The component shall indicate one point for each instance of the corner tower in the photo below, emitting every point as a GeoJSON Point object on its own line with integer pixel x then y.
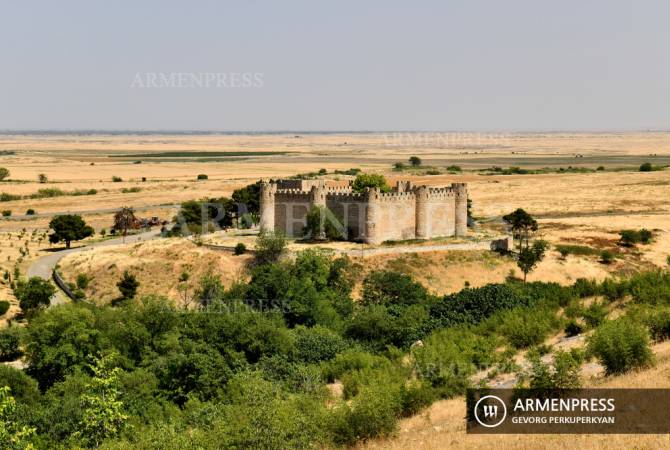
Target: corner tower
{"type": "Point", "coordinates": [267, 205]}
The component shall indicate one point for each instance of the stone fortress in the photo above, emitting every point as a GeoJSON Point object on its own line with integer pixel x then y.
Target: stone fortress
{"type": "Point", "coordinates": [407, 212]}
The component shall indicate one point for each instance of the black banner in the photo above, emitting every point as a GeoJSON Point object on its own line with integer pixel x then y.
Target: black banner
{"type": "Point", "coordinates": [563, 411]}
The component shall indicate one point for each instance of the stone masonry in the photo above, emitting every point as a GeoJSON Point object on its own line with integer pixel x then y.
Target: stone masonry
{"type": "Point", "coordinates": [407, 212]}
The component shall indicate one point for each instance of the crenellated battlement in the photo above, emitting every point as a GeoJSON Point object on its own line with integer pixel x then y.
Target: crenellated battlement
{"type": "Point", "coordinates": [407, 212]}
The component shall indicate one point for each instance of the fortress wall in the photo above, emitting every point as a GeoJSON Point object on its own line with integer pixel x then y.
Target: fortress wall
{"type": "Point", "coordinates": [350, 208]}
{"type": "Point", "coordinates": [300, 185]}
{"type": "Point", "coordinates": [442, 214]}
{"type": "Point", "coordinates": [396, 215]}
{"type": "Point", "coordinates": [291, 207]}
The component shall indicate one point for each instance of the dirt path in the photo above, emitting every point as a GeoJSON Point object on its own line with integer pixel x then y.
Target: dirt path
{"type": "Point", "coordinates": [44, 266]}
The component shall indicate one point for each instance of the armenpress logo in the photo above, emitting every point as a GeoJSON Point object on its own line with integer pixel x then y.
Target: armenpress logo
{"type": "Point", "coordinates": [490, 411]}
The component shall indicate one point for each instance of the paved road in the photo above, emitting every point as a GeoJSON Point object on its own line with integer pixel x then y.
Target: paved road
{"type": "Point", "coordinates": [44, 266]}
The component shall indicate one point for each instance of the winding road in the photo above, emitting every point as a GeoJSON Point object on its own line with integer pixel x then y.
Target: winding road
{"type": "Point", "coordinates": [44, 266]}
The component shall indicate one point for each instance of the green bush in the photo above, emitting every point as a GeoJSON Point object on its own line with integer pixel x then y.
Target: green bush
{"type": "Point", "coordinates": [4, 307]}
{"type": "Point", "coordinates": [573, 328]}
{"type": "Point", "coordinates": [450, 356]}
{"type": "Point", "coordinates": [595, 314]}
{"type": "Point", "coordinates": [646, 167]}
{"type": "Point", "coordinates": [240, 248]}
{"type": "Point", "coordinates": [651, 288]}
{"type": "Point", "coordinates": [585, 288]}
{"type": "Point", "coordinates": [620, 345]}
{"type": "Point", "coordinates": [606, 257]}
{"type": "Point", "coordinates": [82, 280]}
{"type": "Point", "coordinates": [657, 320]}
{"type": "Point", "coordinates": [317, 344]}
{"type": "Point", "coordinates": [351, 360]}
{"type": "Point", "coordinates": [562, 373]}
{"type": "Point", "coordinates": [30, 212]}
{"type": "Point", "coordinates": [372, 413]}
{"type": "Point", "coordinates": [116, 179]}
{"type": "Point", "coordinates": [10, 342]}
{"type": "Point", "coordinates": [6, 213]}
{"type": "Point", "coordinates": [392, 288]}
{"type": "Point", "coordinates": [525, 327]}
{"type": "Point", "coordinates": [203, 176]}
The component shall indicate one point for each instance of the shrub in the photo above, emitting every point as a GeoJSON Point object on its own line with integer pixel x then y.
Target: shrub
{"type": "Point", "coordinates": [128, 285]}
{"type": "Point", "coordinates": [563, 373]}
{"type": "Point", "coordinates": [450, 356]}
{"type": "Point", "coordinates": [4, 307]}
{"type": "Point", "coordinates": [454, 168]}
{"type": "Point", "coordinates": [42, 178]}
{"type": "Point", "coordinates": [658, 322]}
{"type": "Point", "coordinates": [573, 328]}
{"type": "Point", "coordinates": [399, 166]}
{"type": "Point", "coordinates": [606, 257]}
{"type": "Point", "coordinates": [595, 314]}
{"type": "Point", "coordinates": [202, 176]}
{"type": "Point", "coordinates": [82, 280]}
{"type": "Point", "coordinates": [372, 413]}
{"type": "Point", "coordinates": [620, 345]}
{"type": "Point", "coordinates": [240, 248]}
{"type": "Point", "coordinates": [5, 197]}
{"type": "Point", "coordinates": [584, 287]}
{"type": "Point", "coordinates": [4, 173]}
{"type": "Point", "coordinates": [116, 179]}
{"type": "Point", "coordinates": [474, 305]}
{"type": "Point", "coordinates": [415, 161]}
{"type": "Point", "coordinates": [650, 287]}
{"type": "Point", "coordinates": [350, 360]}
{"type": "Point", "coordinates": [317, 344]}
{"type": "Point", "coordinates": [6, 213]}
{"type": "Point", "coordinates": [628, 238]}
{"type": "Point", "coordinates": [270, 246]}
{"type": "Point", "coordinates": [646, 167]}
{"type": "Point", "coordinates": [524, 327]}
{"type": "Point", "coordinates": [30, 212]}
{"type": "Point", "coordinates": [392, 288]}
{"type": "Point", "coordinates": [600, 168]}
{"type": "Point", "coordinates": [34, 294]}
{"type": "Point", "coordinates": [10, 341]}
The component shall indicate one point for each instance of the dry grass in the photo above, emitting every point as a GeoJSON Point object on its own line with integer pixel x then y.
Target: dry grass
{"type": "Point", "coordinates": [442, 425]}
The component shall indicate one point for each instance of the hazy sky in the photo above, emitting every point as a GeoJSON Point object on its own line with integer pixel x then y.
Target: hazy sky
{"type": "Point", "coordinates": [337, 65]}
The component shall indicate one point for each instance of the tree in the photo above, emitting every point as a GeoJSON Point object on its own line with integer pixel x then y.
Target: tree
{"type": "Point", "coordinates": [270, 246]}
{"type": "Point", "coordinates": [646, 167]}
{"type": "Point", "coordinates": [128, 285]}
{"type": "Point", "coordinates": [4, 173]}
{"type": "Point", "coordinates": [34, 294]}
{"type": "Point", "coordinates": [370, 180]}
{"type": "Point", "coordinates": [125, 219]}
{"type": "Point", "coordinates": [68, 228]}
{"type": "Point", "coordinates": [13, 436]}
{"type": "Point", "coordinates": [42, 178]}
{"type": "Point", "coordinates": [103, 416]}
{"type": "Point", "coordinates": [530, 256]}
{"type": "Point", "coordinates": [415, 161]}
{"type": "Point", "coordinates": [522, 225]}
{"type": "Point", "coordinates": [210, 290]}
{"type": "Point", "coordinates": [320, 224]}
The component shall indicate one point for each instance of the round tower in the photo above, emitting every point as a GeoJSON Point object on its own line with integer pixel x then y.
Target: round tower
{"type": "Point", "coordinates": [372, 215]}
{"type": "Point", "coordinates": [317, 197]}
{"type": "Point", "coordinates": [267, 205]}
{"type": "Point", "coordinates": [422, 219]}
{"type": "Point", "coordinates": [461, 193]}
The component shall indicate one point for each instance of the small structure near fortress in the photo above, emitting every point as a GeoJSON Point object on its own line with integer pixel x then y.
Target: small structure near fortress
{"type": "Point", "coordinates": [407, 212]}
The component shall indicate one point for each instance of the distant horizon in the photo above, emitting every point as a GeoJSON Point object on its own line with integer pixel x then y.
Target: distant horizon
{"type": "Point", "coordinates": [94, 131]}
